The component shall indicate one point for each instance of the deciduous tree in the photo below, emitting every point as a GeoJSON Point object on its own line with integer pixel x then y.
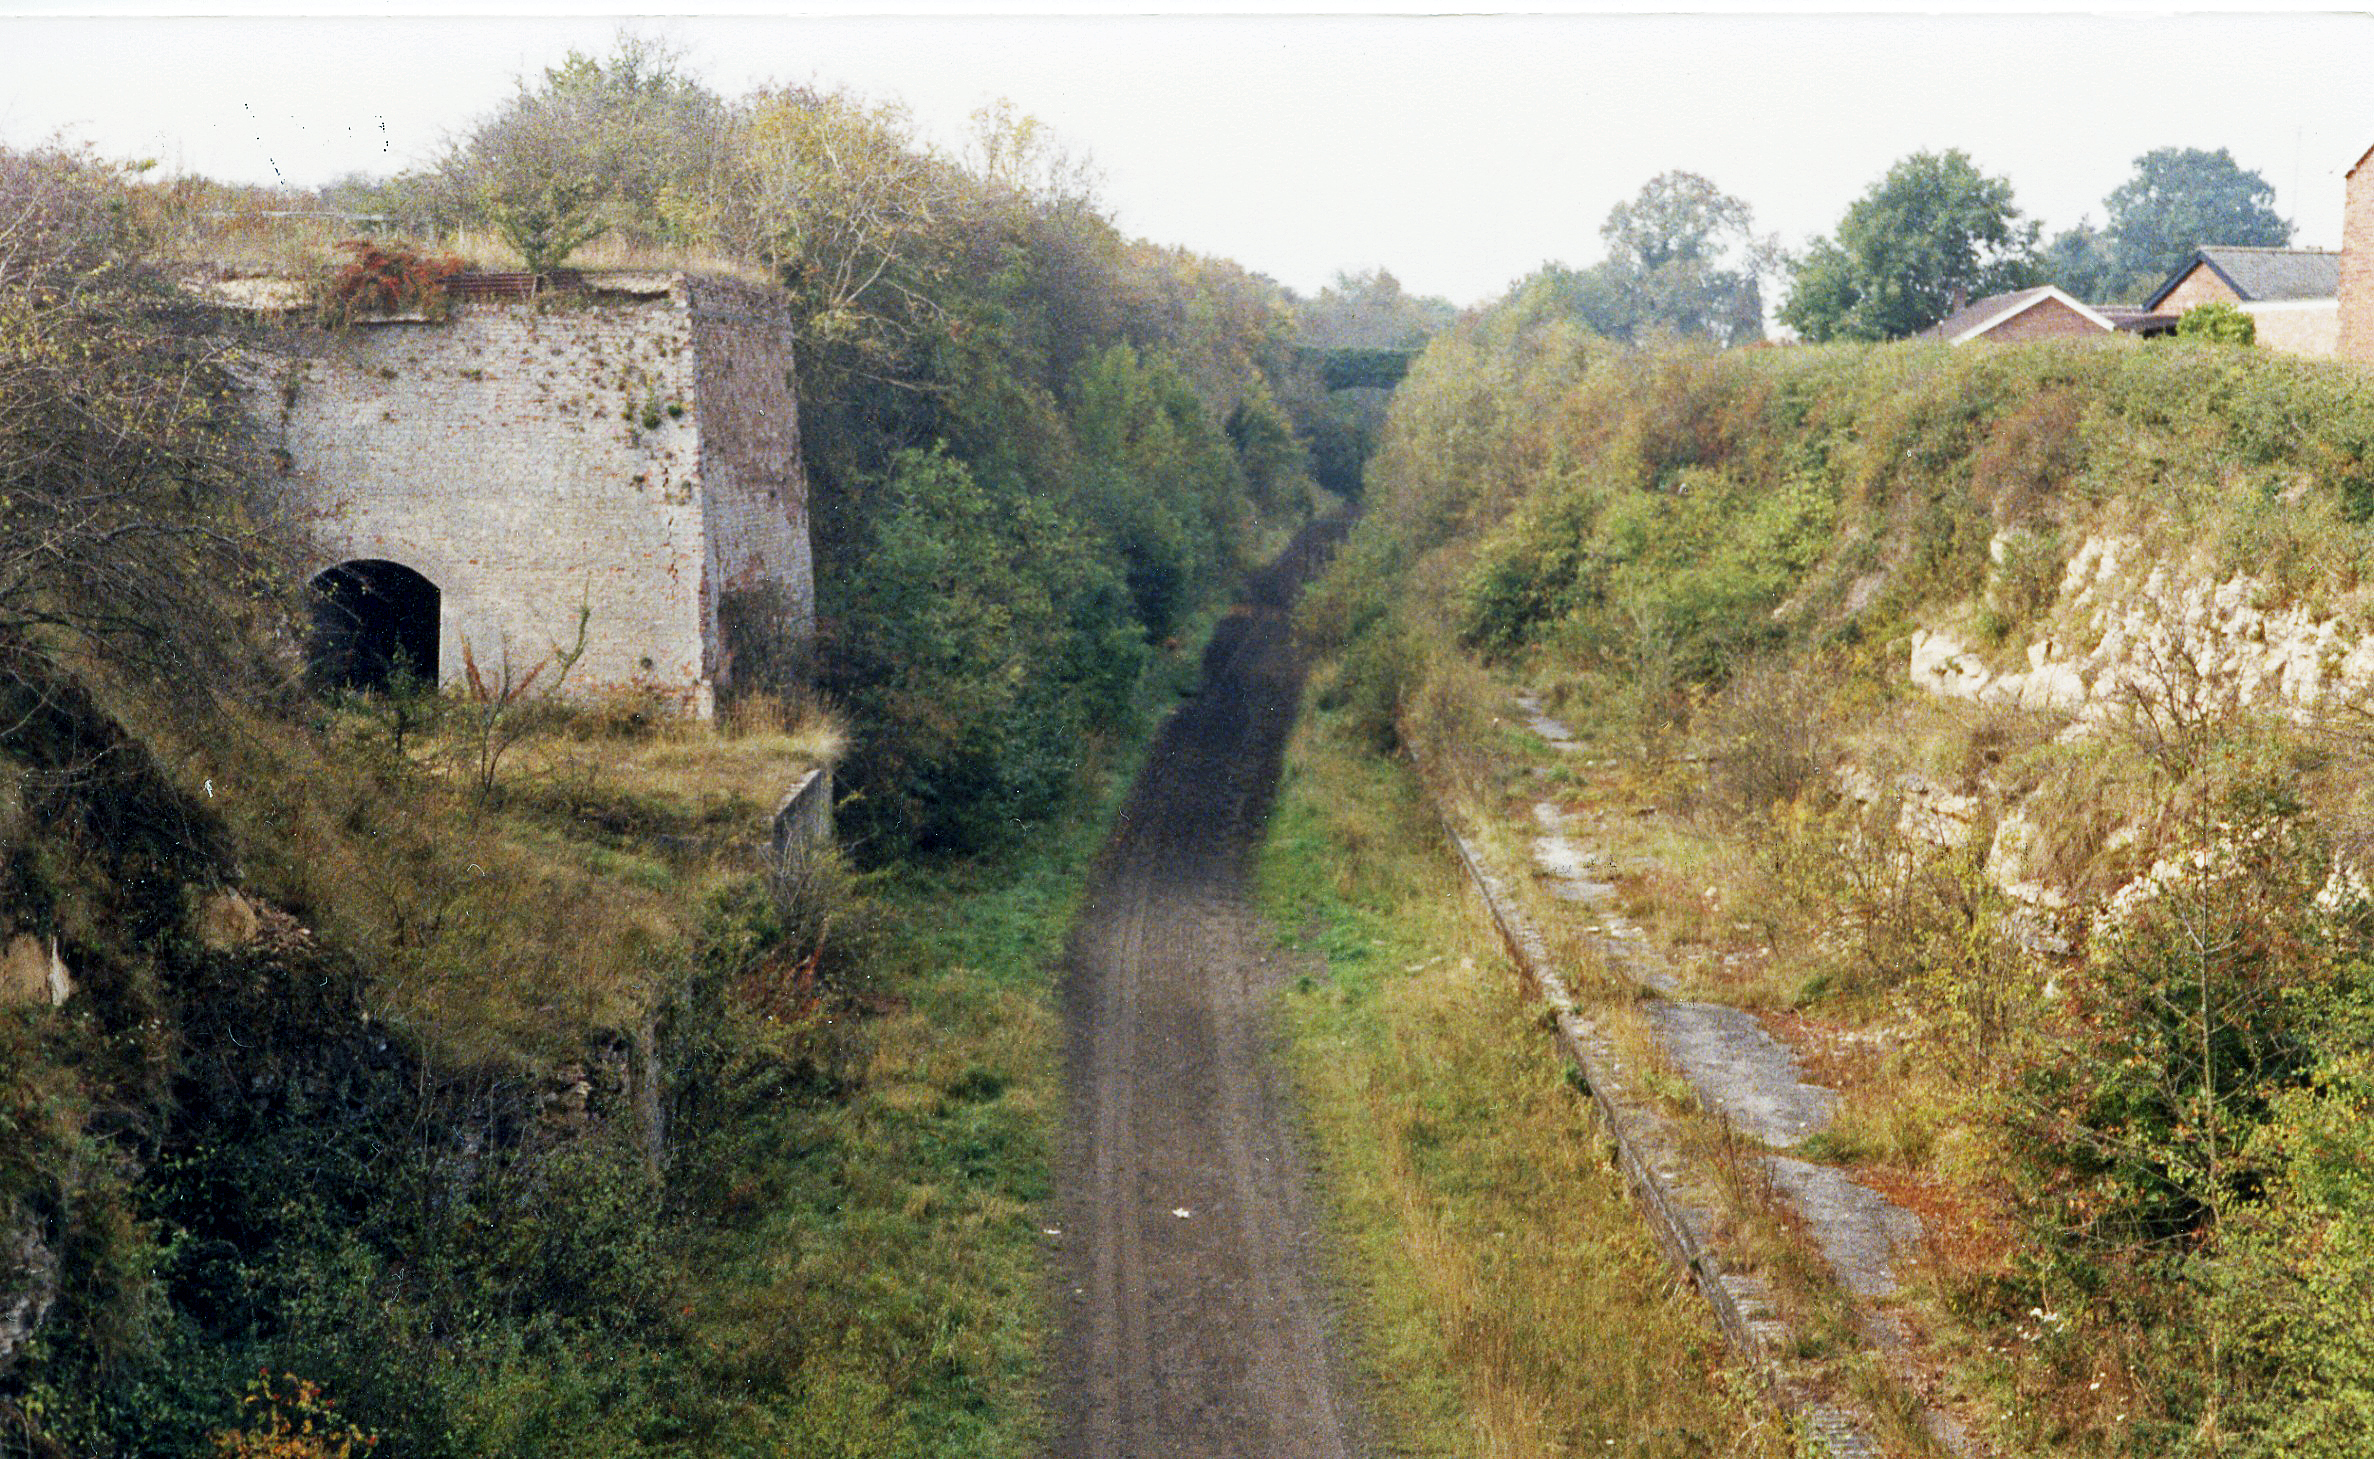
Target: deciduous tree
{"type": "Point", "coordinates": [1683, 261]}
{"type": "Point", "coordinates": [1371, 311]}
{"type": "Point", "coordinates": [2079, 261]}
{"type": "Point", "coordinates": [2183, 198]}
{"type": "Point", "coordinates": [1934, 227]}
{"type": "Point", "coordinates": [127, 518]}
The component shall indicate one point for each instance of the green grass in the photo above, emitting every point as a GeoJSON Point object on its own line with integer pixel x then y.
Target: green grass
{"type": "Point", "coordinates": [899, 1267]}
{"type": "Point", "coordinates": [1505, 1295]}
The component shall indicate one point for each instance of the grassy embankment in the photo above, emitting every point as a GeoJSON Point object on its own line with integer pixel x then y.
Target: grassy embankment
{"type": "Point", "coordinates": [2127, 1152]}
{"type": "Point", "coordinates": [837, 1254]}
{"type": "Point", "coordinates": [357, 1080]}
{"type": "Point", "coordinates": [1506, 1297]}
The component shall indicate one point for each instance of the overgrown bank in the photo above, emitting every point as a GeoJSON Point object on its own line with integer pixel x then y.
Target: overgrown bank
{"type": "Point", "coordinates": [2081, 949]}
{"type": "Point", "coordinates": [1506, 1298]}
{"type": "Point", "coordinates": [227, 1158]}
{"type": "Point", "coordinates": [512, 1108]}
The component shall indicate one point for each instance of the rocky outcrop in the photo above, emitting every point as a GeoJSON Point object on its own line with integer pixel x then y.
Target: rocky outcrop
{"type": "Point", "coordinates": [28, 1284]}
{"type": "Point", "coordinates": [1926, 811]}
{"type": "Point", "coordinates": [2115, 637]}
{"type": "Point", "coordinates": [1931, 813]}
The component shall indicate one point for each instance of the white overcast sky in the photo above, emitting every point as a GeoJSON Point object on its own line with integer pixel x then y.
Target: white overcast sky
{"type": "Point", "coordinates": [1458, 151]}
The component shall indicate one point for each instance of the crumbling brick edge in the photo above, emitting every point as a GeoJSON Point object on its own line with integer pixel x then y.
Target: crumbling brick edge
{"type": "Point", "coordinates": [803, 819]}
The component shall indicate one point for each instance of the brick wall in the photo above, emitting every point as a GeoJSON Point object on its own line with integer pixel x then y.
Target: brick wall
{"type": "Point", "coordinates": [531, 457]}
{"type": "Point", "coordinates": [2048, 319]}
{"type": "Point", "coordinates": [2296, 326]}
{"type": "Point", "coordinates": [2201, 286]}
{"type": "Point", "coordinates": [757, 578]}
{"type": "Point", "coordinates": [2355, 336]}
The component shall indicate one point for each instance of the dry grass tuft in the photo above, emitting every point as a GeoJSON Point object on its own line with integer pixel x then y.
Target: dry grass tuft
{"type": "Point", "coordinates": [504, 928]}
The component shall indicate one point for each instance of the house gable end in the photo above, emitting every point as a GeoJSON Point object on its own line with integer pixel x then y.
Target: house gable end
{"type": "Point", "coordinates": [2198, 262]}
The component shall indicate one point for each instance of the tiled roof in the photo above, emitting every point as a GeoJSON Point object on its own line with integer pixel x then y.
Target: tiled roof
{"type": "Point", "coordinates": [1982, 311]}
{"type": "Point", "coordinates": [2263, 275]}
{"type": "Point", "coordinates": [2135, 319]}
{"type": "Point", "coordinates": [1982, 314]}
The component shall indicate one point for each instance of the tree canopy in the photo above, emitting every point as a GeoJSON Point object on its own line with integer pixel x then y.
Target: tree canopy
{"type": "Point", "coordinates": [2078, 259]}
{"type": "Point", "coordinates": [2178, 199]}
{"type": "Point", "coordinates": [1371, 311]}
{"type": "Point", "coordinates": [1683, 262]}
{"type": "Point", "coordinates": [2181, 199]}
{"type": "Point", "coordinates": [1934, 227]}
{"type": "Point", "coordinates": [600, 143]}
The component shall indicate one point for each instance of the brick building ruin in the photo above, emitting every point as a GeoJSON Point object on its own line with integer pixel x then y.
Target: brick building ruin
{"type": "Point", "coordinates": [628, 448]}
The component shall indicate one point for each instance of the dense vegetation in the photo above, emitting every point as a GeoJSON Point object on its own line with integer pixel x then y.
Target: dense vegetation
{"type": "Point", "coordinates": [512, 1109]}
{"type": "Point", "coordinates": [1033, 445]}
{"type": "Point", "coordinates": [1936, 228]}
{"type": "Point", "coordinates": [1715, 562]}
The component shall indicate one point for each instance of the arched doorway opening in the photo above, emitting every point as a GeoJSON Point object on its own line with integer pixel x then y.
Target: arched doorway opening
{"type": "Point", "coordinates": [370, 620]}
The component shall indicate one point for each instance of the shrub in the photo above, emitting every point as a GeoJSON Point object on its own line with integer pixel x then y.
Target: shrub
{"type": "Point", "coordinates": [1769, 736]}
{"type": "Point", "coordinates": [386, 278]}
{"type": "Point", "coordinates": [2217, 322]}
{"type": "Point", "coordinates": [291, 1418]}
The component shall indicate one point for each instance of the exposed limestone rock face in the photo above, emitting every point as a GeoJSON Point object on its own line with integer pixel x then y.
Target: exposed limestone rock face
{"type": "Point", "coordinates": [2038, 923]}
{"type": "Point", "coordinates": [2010, 864]}
{"type": "Point", "coordinates": [227, 921]}
{"type": "Point", "coordinates": [28, 1284]}
{"type": "Point", "coordinates": [2114, 639]}
{"type": "Point", "coordinates": [1935, 814]}
{"type": "Point", "coordinates": [573, 1093]}
{"type": "Point", "coordinates": [1926, 811]}
{"type": "Point", "coordinates": [2119, 637]}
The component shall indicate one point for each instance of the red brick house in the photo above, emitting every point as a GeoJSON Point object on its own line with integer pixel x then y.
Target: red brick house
{"type": "Point", "coordinates": [2355, 336]}
{"type": "Point", "coordinates": [2043, 312]}
{"type": "Point", "coordinates": [2292, 293]}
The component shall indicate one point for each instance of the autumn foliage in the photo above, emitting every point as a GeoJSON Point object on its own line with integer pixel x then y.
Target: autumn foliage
{"type": "Point", "coordinates": [387, 277]}
{"type": "Point", "coordinates": [289, 1417]}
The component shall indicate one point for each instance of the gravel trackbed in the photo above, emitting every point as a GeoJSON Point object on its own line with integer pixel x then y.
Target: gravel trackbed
{"type": "Point", "coordinates": [1196, 1319]}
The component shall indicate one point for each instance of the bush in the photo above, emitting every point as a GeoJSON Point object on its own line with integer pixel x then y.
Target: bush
{"type": "Point", "coordinates": [1769, 737]}
{"type": "Point", "coordinates": [381, 278]}
{"type": "Point", "coordinates": [979, 650]}
{"type": "Point", "coordinates": [130, 520]}
{"type": "Point", "coordinates": [2218, 322]}
{"type": "Point", "coordinates": [291, 1418]}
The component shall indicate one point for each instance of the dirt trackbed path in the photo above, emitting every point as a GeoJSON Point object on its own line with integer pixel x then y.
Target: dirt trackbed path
{"type": "Point", "coordinates": [1195, 1320]}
